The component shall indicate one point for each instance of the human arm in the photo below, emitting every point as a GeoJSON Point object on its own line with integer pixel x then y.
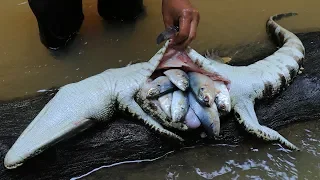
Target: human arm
{"type": "Point", "coordinates": [182, 14]}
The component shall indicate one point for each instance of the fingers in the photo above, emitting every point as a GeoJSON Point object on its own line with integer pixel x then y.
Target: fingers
{"type": "Point", "coordinates": [192, 34]}
{"type": "Point", "coordinates": [188, 24]}
{"type": "Point", "coordinates": [184, 29]}
{"type": "Point", "coordinates": [168, 22]}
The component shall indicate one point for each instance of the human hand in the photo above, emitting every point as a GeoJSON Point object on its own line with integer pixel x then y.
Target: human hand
{"type": "Point", "coordinates": [182, 14]}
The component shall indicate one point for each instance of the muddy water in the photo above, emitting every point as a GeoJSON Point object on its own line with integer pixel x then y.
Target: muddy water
{"type": "Point", "coordinates": [246, 161]}
{"type": "Point", "coordinates": [26, 67]}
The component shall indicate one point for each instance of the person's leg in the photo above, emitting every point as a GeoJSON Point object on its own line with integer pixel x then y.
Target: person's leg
{"type": "Point", "coordinates": [58, 20]}
{"type": "Point", "coordinates": [120, 9]}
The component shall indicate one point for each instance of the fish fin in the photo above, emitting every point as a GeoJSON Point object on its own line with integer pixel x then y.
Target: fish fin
{"type": "Point", "coordinates": [245, 114]}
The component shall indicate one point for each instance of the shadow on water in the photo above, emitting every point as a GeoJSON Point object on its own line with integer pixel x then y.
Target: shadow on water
{"type": "Point", "coordinates": [110, 26]}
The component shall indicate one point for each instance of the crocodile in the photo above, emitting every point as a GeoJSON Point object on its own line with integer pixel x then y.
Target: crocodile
{"type": "Point", "coordinates": [261, 80]}
{"type": "Point", "coordinates": [76, 106]}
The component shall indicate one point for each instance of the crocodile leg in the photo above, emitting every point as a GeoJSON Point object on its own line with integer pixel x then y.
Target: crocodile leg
{"type": "Point", "coordinates": [245, 114]}
{"type": "Point", "coordinates": [137, 111]}
{"type": "Point", "coordinates": [153, 108]}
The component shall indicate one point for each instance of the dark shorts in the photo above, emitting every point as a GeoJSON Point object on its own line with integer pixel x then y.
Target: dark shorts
{"type": "Point", "coordinates": [60, 20]}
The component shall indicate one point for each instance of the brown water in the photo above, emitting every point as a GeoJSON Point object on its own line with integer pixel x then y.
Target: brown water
{"type": "Point", "coordinates": [27, 67]}
{"type": "Point", "coordinates": [246, 161]}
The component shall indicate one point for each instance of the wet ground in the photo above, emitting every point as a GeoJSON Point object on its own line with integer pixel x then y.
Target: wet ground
{"type": "Point", "coordinates": [27, 67]}
{"type": "Point", "coordinates": [246, 161]}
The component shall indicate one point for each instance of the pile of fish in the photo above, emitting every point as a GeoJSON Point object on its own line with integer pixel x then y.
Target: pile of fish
{"type": "Point", "coordinates": [188, 94]}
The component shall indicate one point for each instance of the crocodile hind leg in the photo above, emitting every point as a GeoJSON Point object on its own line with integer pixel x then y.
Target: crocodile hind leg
{"type": "Point", "coordinates": [135, 109]}
{"type": "Point", "coordinates": [152, 107]}
{"type": "Point", "coordinates": [245, 114]}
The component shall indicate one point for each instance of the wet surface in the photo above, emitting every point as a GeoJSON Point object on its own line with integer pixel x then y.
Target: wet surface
{"type": "Point", "coordinates": [27, 67]}
{"type": "Point", "coordinates": [245, 161]}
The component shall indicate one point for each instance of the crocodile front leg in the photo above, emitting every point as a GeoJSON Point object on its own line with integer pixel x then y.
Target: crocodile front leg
{"type": "Point", "coordinates": [137, 111]}
{"type": "Point", "coordinates": [153, 108]}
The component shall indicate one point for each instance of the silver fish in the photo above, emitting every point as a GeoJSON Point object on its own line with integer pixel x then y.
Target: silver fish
{"type": "Point", "coordinates": [167, 34]}
{"type": "Point", "coordinates": [165, 103]}
{"type": "Point", "coordinates": [178, 78]}
{"type": "Point", "coordinates": [161, 85]}
{"type": "Point", "coordinates": [203, 88]}
{"type": "Point", "coordinates": [179, 105]}
{"type": "Point", "coordinates": [222, 99]}
{"type": "Point", "coordinates": [208, 116]}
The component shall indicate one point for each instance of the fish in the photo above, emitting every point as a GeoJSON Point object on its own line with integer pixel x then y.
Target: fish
{"type": "Point", "coordinates": [208, 116]}
{"type": "Point", "coordinates": [208, 91]}
{"type": "Point", "coordinates": [180, 60]}
{"type": "Point", "coordinates": [203, 88]}
{"type": "Point", "coordinates": [178, 78]}
{"type": "Point", "coordinates": [168, 33]}
{"type": "Point", "coordinates": [179, 105]}
{"type": "Point", "coordinates": [222, 99]}
{"type": "Point", "coordinates": [165, 103]}
{"type": "Point", "coordinates": [160, 86]}
{"type": "Point", "coordinates": [191, 119]}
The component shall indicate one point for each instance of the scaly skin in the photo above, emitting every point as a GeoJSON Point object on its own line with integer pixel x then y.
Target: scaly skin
{"type": "Point", "coordinates": [78, 105]}
{"type": "Point", "coordinates": [263, 79]}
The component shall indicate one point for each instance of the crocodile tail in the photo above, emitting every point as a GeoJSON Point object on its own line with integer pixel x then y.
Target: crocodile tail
{"type": "Point", "coordinates": [285, 38]}
{"type": "Point", "coordinates": [279, 69]}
